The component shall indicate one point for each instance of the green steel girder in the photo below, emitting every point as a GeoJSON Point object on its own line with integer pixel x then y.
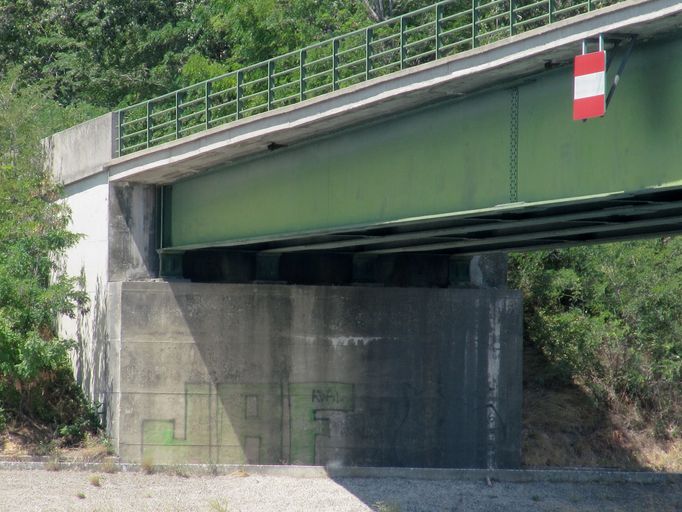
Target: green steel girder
{"type": "Point", "coordinates": [497, 170]}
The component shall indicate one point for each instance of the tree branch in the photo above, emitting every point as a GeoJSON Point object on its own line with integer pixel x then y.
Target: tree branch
{"type": "Point", "coordinates": [370, 10]}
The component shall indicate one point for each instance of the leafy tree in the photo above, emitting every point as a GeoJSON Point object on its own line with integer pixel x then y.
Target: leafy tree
{"type": "Point", "coordinates": [113, 52]}
{"type": "Point", "coordinates": [34, 364]}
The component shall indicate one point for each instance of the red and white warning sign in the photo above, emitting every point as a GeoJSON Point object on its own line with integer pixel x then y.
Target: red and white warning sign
{"type": "Point", "coordinates": [589, 99]}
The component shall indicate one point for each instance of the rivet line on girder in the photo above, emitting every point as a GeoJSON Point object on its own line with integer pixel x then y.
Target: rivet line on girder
{"type": "Point", "coordinates": [514, 147]}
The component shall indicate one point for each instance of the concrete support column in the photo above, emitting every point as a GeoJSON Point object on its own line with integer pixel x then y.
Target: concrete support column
{"type": "Point", "coordinates": [479, 271]}
{"type": "Point", "coordinates": [133, 232]}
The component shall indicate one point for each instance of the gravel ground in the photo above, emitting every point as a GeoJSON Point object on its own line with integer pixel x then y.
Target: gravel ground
{"type": "Point", "coordinates": [45, 491]}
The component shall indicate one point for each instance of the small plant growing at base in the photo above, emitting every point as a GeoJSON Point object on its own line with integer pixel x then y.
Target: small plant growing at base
{"type": "Point", "coordinates": [53, 464]}
{"type": "Point", "coordinates": [148, 466]}
{"type": "Point", "coordinates": [80, 495]}
{"type": "Point", "coordinates": [109, 466]}
{"type": "Point", "coordinates": [95, 481]}
{"type": "Point", "coordinates": [45, 448]}
{"type": "Point", "coordinates": [385, 506]}
{"type": "Point", "coordinates": [218, 506]}
{"type": "Point", "coordinates": [178, 470]}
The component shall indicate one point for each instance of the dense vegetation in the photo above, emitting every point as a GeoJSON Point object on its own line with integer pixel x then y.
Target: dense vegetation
{"type": "Point", "coordinates": [608, 318]}
{"type": "Point", "coordinates": [112, 52]}
{"type": "Point", "coordinates": [36, 384]}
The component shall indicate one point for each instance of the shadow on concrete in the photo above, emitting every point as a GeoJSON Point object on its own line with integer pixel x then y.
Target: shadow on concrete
{"type": "Point", "coordinates": [91, 358]}
{"type": "Point", "coordinates": [361, 376]}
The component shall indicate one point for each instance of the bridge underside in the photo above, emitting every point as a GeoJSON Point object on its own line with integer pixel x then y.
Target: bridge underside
{"type": "Point", "coordinates": [510, 228]}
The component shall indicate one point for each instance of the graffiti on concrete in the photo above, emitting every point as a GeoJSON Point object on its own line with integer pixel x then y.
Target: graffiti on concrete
{"type": "Point", "coordinates": [309, 406]}
{"type": "Point", "coordinates": [248, 423]}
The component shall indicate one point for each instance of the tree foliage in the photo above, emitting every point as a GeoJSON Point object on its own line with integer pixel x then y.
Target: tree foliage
{"type": "Point", "coordinates": [610, 318]}
{"type": "Point", "coordinates": [33, 234]}
{"type": "Point", "coordinates": [110, 52]}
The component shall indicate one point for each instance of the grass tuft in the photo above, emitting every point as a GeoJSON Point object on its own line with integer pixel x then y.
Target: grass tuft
{"type": "Point", "coordinates": [218, 506]}
{"type": "Point", "coordinates": [178, 470]}
{"type": "Point", "coordinates": [148, 466]}
{"type": "Point", "coordinates": [240, 473]}
{"type": "Point", "coordinates": [386, 506]}
{"type": "Point", "coordinates": [53, 464]}
{"type": "Point", "coordinates": [109, 466]}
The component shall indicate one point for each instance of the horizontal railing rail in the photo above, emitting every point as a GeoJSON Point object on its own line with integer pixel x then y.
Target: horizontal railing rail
{"type": "Point", "coordinates": [421, 36]}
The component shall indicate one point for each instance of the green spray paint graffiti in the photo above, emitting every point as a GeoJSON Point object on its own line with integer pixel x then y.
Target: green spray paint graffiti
{"type": "Point", "coordinates": [248, 423]}
{"type": "Point", "coordinates": [309, 403]}
{"type": "Point", "coordinates": [164, 443]}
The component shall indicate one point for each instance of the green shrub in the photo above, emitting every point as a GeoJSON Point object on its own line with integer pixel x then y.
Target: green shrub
{"type": "Point", "coordinates": [35, 376]}
{"type": "Point", "coordinates": [609, 317]}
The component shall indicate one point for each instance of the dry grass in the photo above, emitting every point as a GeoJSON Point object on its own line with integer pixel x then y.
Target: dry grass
{"type": "Point", "coordinates": [240, 473]}
{"type": "Point", "coordinates": [218, 506]}
{"type": "Point", "coordinates": [95, 480]}
{"type": "Point", "coordinates": [53, 464]}
{"type": "Point", "coordinates": [21, 440]}
{"type": "Point", "coordinates": [562, 427]}
{"type": "Point", "coordinates": [109, 466]}
{"type": "Point", "coordinates": [177, 470]}
{"type": "Point", "coordinates": [148, 466]}
{"type": "Point", "coordinates": [93, 449]}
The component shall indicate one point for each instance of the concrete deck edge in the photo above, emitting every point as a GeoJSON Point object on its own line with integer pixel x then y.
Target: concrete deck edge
{"type": "Point", "coordinates": [562, 475]}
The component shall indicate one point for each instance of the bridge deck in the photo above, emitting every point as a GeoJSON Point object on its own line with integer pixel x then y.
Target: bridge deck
{"type": "Point", "coordinates": [473, 153]}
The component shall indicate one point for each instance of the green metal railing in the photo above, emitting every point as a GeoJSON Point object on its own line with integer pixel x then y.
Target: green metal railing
{"type": "Point", "coordinates": [424, 35]}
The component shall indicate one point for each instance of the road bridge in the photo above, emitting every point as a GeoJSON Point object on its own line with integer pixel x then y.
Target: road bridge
{"type": "Point", "coordinates": [386, 161]}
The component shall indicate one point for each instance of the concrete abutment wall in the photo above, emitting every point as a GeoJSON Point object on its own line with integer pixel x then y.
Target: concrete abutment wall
{"type": "Point", "coordinates": [267, 374]}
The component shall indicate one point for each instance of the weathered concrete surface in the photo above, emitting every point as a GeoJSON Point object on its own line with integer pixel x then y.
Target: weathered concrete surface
{"type": "Point", "coordinates": [82, 150]}
{"type": "Point", "coordinates": [133, 234]}
{"type": "Point", "coordinates": [88, 199]}
{"type": "Point", "coordinates": [230, 373]}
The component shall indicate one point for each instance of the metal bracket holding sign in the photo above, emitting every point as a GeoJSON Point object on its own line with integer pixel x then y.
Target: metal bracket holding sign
{"type": "Point", "coordinates": [621, 68]}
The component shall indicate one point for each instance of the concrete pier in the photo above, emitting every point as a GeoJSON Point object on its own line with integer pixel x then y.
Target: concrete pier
{"type": "Point", "coordinates": [268, 374]}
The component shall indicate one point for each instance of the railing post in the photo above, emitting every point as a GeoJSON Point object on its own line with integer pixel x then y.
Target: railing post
{"type": "Point", "coordinates": [177, 115]}
{"type": "Point", "coordinates": [238, 99]}
{"type": "Point", "coordinates": [589, 5]}
{"type": "Point", "coordinates": [369, 33]}
{"type": "Point", "coordinates": [208, 104]}
{"type": "Point", "coordinates": [511, 17]}
{"type": "Point", "coordinates": [335, 64]}
{"type": "Point", "coordinates": [271, 93]}
{"type": "Point", "coordinates": [402, 42]}
{"type": "Point", "coordinates": [474, 21]}
{"type": "Point", "coordinates": [120, 133]}
{"type": "Point", "coordinates": [439, 15]}
{"type": "Point", "coordinates": [301, 60]}
{"type": "Point", "coordinates": [550, 11]}
{"type": "Point", "coordinates": [149, 123]}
